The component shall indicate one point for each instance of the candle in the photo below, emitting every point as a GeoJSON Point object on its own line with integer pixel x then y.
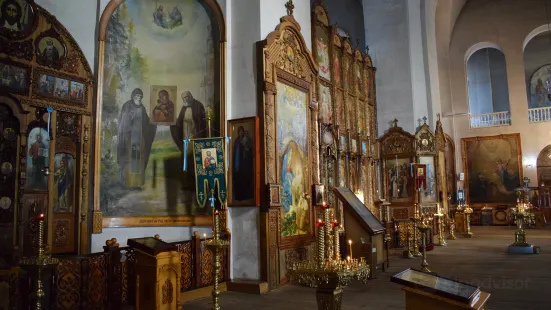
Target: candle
{"type": "Point", "coordinates": [438, 208]}
{"type": "Point", "coordinates": [205, 236]}
{"type": "Point", "coordinates": [348, 258]}
{"type": "Point", "coordinates": [350, 245]}
{"type": "Point", "coordinates": [321, 241]}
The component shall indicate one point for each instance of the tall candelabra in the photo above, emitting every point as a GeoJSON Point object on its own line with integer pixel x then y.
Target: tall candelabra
{"type": "Point", "coordinates": [520, 245]}
{"type": "Point", "coordinates": [216, 245]}
{"type": "Point", "coordinates": [41, 261]}
{"type": "Point", "coordinates": [441, 239]}
{"type": "Point", "coordinates": [328, 273]}
{"type": "Point", "coordinates": [416, 219]}
{"type": "Point", "coordinates": [468, 211]}
{"type": "Point", "coordinates": [424, 226]}
{"type": "Point", "coordinates": [452, 228]}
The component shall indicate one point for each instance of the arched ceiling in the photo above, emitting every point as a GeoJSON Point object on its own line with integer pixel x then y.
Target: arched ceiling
{"type": "Point", "coordinates": [447, 12]}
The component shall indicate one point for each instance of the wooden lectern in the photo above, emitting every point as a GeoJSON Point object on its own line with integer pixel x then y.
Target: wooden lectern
{"type": "Point", "coordinates": [426, 291]}
{"type": "Point", "coordinates": [158, 274]}
{"type": "Point", "coordinates": [364, 229]}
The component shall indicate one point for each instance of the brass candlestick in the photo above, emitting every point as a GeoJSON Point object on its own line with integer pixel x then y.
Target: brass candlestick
{"type": "Point", "coordinates": [216, 245]}
{"type": "Point", "coordinates": [424, 227]}
{"type": "Point", "coordinates": [416, 220]}
{"type": "Point", "coordinates": [468, 211]}
{"type": "Point", "coordinates": [408, 253]}
{"type": "Point", "coordinates": [40, 261]}
{"type": "Point", "coordinates": [452, 229]}
{"type": "Point", "coordinates": [441, 240]}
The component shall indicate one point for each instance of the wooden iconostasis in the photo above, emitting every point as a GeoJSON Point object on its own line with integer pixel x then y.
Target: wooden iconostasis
{"type": "Point", "coordinates": [44, 169]}
{"type": "Point", "coordinates": [347, 113]}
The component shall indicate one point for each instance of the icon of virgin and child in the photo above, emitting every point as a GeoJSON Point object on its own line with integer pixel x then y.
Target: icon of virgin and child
{"type": "Point", "coordinates": [137, 132]}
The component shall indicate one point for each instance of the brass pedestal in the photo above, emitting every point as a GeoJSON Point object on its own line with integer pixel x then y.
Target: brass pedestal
{"type": "Point", "coordinates": [329, 298]}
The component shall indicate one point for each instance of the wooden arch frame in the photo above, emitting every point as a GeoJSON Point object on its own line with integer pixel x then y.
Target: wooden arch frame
{"type": "Point", "coordinates": [98, 221]}
{"type": "Point", "coordinates": [298, 71]}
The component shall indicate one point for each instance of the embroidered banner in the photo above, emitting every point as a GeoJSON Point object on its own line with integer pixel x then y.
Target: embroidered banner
{"type": "Point", "coordinates": [210, 171]}
{"type": "Point", "coordinates": [420, 175]}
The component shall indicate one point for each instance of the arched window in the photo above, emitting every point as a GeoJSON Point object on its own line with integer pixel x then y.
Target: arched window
{"type": "Point", "coordinates": [488, 89]}
{"type": "Point", "coordinates": [537, 66]}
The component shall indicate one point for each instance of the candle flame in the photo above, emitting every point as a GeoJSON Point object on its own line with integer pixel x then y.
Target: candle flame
{"type": "Point", "coordinates": [349, 241]}
{"type": "Point", "coordinates": [41, 214]}
{"type": "Point", "coordinates": [348, 257]}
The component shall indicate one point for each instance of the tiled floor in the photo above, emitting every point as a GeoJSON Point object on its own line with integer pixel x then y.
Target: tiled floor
{"type": "Point", "coordinates": [516, 282]}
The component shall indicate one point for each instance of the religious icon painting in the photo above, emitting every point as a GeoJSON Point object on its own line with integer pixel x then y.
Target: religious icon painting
{"type": "Point", "coordinates": [64, 182]}
{"type": "Point", "coordinates": [243, 171]}
{"type": "Point", "coordinates": [343, 145]}
{"type": "Point", "coordinates": [354, 145]}
{"type": "Point", "coordinates": [77, 91]}
{"type": "Point", "coordinates": [18, 18]}
{"type": "Point", "coordinates": [364, 148]}
{"type": "Point", "coordinates": [15, 77]}
{"type": "Point", "coordinates": [61, 88]}
{"type": "Point", "coordinates": [398, 175]}
{"type": "Point", "coordinates": [37, 159]}
{"type": "Point", "coordinates": [322, 51]}
{"type": "Point", "coordinates": [210, 170]}
{"type": "Point", "coordinates": [325, 104]}
{"type": "Point", "coordinates": [318, 194]}
{"type": "Point", "coordinates": [151, 103]}
{"type": "Point", "coordinates": [50, 49]}
{"type": "Point", "coordinates": [292, 154]}
{"type": "Point", "coordinates": [162, 105]}
{"type": "Point", "coordinates": [337, 67]}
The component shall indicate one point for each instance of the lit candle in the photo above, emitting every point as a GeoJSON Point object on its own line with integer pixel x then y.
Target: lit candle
{"type": "Point", "coordinates": [438, 208]}
{"type": "Point", "coordinates": [348, 258]}
{"type": "Point", "coordinates": [205, 236]}
{"type": "Point", "coordinates": [350, 244]}
{"type": "Point", "coordinates": [321, 241]}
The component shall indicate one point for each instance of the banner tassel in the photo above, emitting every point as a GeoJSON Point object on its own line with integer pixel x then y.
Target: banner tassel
{"type": "Point", "coordinates": [185, 154]}
{"type": "Point", "coordinates": [227, 154]}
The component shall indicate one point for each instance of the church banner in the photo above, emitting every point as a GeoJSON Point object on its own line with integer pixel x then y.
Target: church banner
{"type": "Point", "coordinates": [210, 172]}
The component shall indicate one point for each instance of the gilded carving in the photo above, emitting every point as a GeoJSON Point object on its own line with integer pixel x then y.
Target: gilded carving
{"type": "Point", "coordinates": [168, 292]}
{"type": "Point", "coordinates": [61, 231]}
{"type": "Point", "coordinates": [425, 140]}
{"type": "Point", "coordinates": [22, 49]}
{"type": "Point", "coordinates": [68, 124]}
{"type": "Point", "coordinates": [440, 136]}
{"type": "Point", "coordinates": [97, 222]}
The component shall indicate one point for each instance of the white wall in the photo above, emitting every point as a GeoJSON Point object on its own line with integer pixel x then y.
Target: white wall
{"type": "Point", "coordinates": [391, 57]}
{"type": "Point", "coordinates": [272, 10]}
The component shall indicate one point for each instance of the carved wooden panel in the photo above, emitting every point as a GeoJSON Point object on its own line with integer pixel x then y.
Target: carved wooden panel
{"type": "Point", "coordinates": [425, 140]}
{"type": "Point", "coordinates": [9, 133]}
{"type": "Point", "coordinates": [185, 250]}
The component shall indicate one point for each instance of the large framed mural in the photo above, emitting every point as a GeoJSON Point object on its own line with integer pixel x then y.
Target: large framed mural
{"type": "Point", "coordinates": [151, 99]}
{"type": "Point", "coordinates": [493, 168]}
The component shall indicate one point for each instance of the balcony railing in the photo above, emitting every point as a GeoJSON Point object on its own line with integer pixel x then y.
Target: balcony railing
{"type": "Point", "coordinates": [539, 115]}
{"type": "Point", "coordinates": [490, 119]}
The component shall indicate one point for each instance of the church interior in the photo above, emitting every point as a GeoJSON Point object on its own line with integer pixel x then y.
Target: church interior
{"type": "Point", "coordinates": [329, 154]}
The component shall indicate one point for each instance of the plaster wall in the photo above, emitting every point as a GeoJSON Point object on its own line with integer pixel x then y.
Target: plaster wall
{"type": "Point", "coordinates": [387, 34]}
{"type": "Point", "coordinates": [349, 16]}
{"type": "Point", "coordinates": [505, 23]}
{"type": "Point", "coordinates": [272, 10]}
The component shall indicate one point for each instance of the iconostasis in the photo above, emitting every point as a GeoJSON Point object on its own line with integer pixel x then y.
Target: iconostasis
{"type": "Point", "coordinates": [347, 113]}
{"type": "Point", "coordinates": [46, 92]}
{"type": "Point", "coordinates": [318, 126]}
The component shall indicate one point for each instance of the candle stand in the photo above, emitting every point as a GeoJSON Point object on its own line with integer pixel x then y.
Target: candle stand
{"type": "Point", "coordinates": [416, 219]}
{"type": "Point", "coordinates": [451, 226]}
{"type": "Point", "coordinates": [328, 273]}
{"type": "Point", "coordinates": [441, 239]}
{"type": "Point", "coordinates": [468, 211]}
{"type": "Point", "coordinates": [40, 262]}
{"type": "Point", "coordinates": [424, 227]}
{"type": "Point", "coordinates": [520, 246]}
{"type": "Point", "coordinates": [216, 245]}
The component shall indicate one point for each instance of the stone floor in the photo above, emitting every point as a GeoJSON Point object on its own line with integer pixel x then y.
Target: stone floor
{"type": "Point", "coordinates": [516, 282]}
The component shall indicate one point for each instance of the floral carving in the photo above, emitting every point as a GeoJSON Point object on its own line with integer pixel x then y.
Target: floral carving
{"type": "Point", "coordinates": [61, 231]}
{"type": "Point", "coordinates": [168, 292]}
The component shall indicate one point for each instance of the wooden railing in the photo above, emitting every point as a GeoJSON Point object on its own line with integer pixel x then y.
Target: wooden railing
{"type": "Point", "coordinates": [490, 119]}
{"type": "Point", "coordinates": [107, 280]}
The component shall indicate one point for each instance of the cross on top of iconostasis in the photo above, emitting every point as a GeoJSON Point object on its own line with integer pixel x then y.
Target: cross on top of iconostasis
{"type": "Point", "coordinates": [425, 119]}
{"type": "Point", "coordinates": [395, 122]}
{"type": "Point", "coordinates": [290, 7]}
